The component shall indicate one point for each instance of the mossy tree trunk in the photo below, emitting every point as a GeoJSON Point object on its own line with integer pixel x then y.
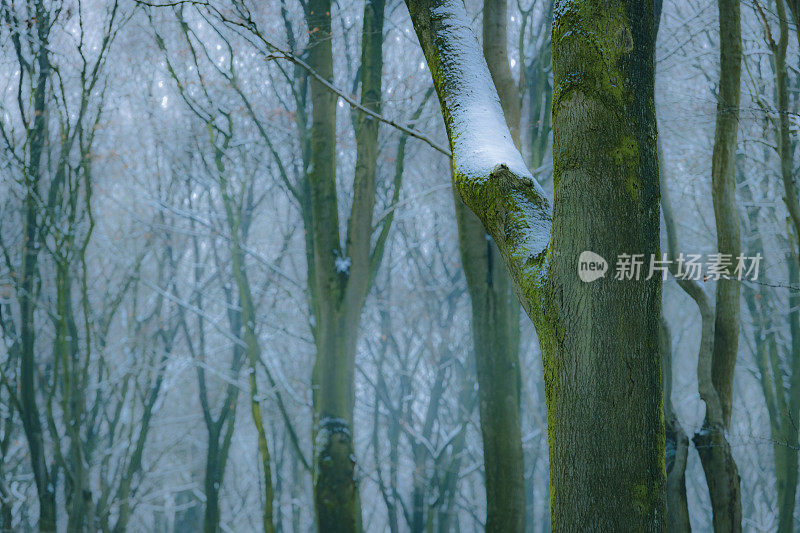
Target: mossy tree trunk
{"type": "Point", "coordinates": [602, 369]}
{"type": "Point", "coordinates": [600, 339]}
{"type": "Point", "coordinates": [495, 318]}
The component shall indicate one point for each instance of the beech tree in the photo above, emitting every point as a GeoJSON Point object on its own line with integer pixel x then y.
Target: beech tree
{"type": "Point", "coordinates": [236, 292]}
{"type": "Point", "coordinates": [599, 340]}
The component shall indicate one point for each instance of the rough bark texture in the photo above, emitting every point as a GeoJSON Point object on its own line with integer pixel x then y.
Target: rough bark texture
{"type": "Point", "coordinates": [495, 319]}
{"type": "Point", "coordinates": [602, 369]}
{"type": "Point", "coordinates": [600, 339]}
{"type": "Point", "coordinates": [719, 466]}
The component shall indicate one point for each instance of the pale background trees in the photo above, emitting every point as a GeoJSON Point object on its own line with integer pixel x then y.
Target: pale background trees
{"type": "Point", "coordinates": [165, 192]}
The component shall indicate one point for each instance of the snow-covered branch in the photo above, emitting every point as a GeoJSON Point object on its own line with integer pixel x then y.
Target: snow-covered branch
{"type": "Point", "coordinates": [490, 174]}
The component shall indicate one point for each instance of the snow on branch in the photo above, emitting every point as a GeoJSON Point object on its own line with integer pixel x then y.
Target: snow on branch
{"type": "Point", "coordinates": [490, 174]}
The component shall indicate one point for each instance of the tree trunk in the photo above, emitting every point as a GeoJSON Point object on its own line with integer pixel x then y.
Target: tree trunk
{"type": "Point", "coordinates": [31, 422]}
{"type": "Point", "coordinates": [720, 468]}
{"type": "Point", "coordinates": [677, 442]}
{"type": "Point", "coordinates": [786, 469]}
{"type": "Point", "coordinates": [495, 319]}
{"type": "Point", "coordinates": [785, 449]}
{"type": "Point", "coordinates": [211, 485]}
{"type": "Point", "coordinates": [495, 328]}
{"type": "Point", "coordinates": [600, 339]}
{"type": "Point", "coordinates": [677, 448]}
{"type": "Point", "coordinates": [334, 477]}
{"type": "Point", "coordinates": [726, 330]}
{"type": "Point", "coordinates": [789, 451]}
{"type": "Point", "coordinates": [540, 94]}
{"type": "Point", "coordinates": [602, 371]}
{"type": "Point", "coordinates": [28, 272]}
{"type": "Point", "coordinates": [342, 275]}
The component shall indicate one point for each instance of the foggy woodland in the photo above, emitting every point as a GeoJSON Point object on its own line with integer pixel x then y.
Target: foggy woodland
{"type": "Point", "coordinates": [399, 265]}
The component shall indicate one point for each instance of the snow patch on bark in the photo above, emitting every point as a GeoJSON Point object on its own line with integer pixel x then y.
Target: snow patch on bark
{"type": "Point", "coordinates": [483, 149]}
{"type": "Point", "coordinates": [480, 136]}
{"type": "Point", "coordinates": [328, 427]}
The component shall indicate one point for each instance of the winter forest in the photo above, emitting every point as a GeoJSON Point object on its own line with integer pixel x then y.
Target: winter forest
{"type": "Point", "coordinates": [399, 265]}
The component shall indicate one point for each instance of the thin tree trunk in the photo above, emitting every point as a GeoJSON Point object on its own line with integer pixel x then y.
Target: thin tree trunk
{"type": "Point", "coordinates": [495, 319]}
{"type": "Point", "coordinates": [720, 468]}
{"type": "Point", "coordinates": [677, 449]}
{"type": "Point", "coordinates": [6, 508]}
{"type": "Point", "coordinates": [677, 442]}
{"type": "Point", "coordinates": [784, 140]}
{"type": "Point", "coordinates": [334, 476]}
{"type": "Point", "coordinates": [790, 450]}
{"type": "Point", "coordinates": [540, 94]}
{"type": "Point", "coordinates": [253, 353]}
{"type": "Point", "coordinates": [726, 330]}
{"type": "Point", "coordinates": [29, 271]}
{"type": "Point", "coordinates": [495, 327]}
{"type": "Point", "coordinates": [785, 411]}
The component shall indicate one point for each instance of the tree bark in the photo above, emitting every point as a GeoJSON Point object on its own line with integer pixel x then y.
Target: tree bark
{"type": "Point", "coordinates": [495, 328]}
{"type": "Point", "coordinates": [720, 468]}
{"type": "Point", "coordinates": [341, 275]}
{"type": "Point", "coordinates": [600, 339]}
{"type": "Point", "coordinates": [786, 458]}
{"type": "Point", "coordinates": [495, 318]}
{"type": "Point", "coordinates": [677, 448]}
{"type": "Point", "coordinates": [786, 401]}
{"type": "Point", "coordinates": [726, 330]}
{"type": "Point", "coordinates": [334, 474]}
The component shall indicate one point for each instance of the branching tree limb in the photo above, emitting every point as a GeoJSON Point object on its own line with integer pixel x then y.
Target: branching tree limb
{"type": "Point", "coordinates": [490, 174]}
{"type": "Point", "coordinates": [599, 340]}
